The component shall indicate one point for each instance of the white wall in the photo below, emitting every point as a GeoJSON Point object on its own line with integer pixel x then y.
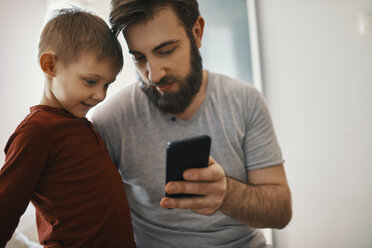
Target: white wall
{"type": "Point", "coordinates": [317, 80]}
{"type": "Point", "coordinates": [21, 82]}
{"type": "Point", "coordinates": [317, 71]}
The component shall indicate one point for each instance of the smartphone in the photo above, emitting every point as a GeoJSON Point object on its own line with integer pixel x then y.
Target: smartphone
{"type": "Point", "coordinates": [184, 154]}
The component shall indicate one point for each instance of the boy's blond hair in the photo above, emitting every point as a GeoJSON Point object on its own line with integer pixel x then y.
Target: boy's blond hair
{"type": "Point", "coordinates": [73, 31]}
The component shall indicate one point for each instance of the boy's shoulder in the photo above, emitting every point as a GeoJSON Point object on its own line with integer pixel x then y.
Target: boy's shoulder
{"type": "Point", "coordinates": [36, 117]}
{"type": "Point", "coordinates": [43, 123]}
{"type": "Point", "coordinates": [29, 131]}
{"type": "Point", "coordinates": [44, 118]}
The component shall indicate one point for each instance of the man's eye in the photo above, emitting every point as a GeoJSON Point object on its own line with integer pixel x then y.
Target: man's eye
{"type": "Point", "coordinates": [166, 52]}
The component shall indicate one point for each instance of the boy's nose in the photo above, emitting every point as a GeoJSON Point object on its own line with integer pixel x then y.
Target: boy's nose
{"type": "Point", "coordinates": [99, 95]}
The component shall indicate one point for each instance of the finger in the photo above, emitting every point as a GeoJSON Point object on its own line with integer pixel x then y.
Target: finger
{"type": "Point", "coordinates": [215, 191]}
{"type": "Point", "coordinates": [205, 211]}
{"type": "Point", "coordinates": [199, 205]}
{"type": "Point", "coordinates": [196, 203]}
{"type": "Point", "coordinates": [211, 160]}
{"type": "Point", "coordinates": [213, 172]}
{"type": "Point", "coordinates": [184, 187]}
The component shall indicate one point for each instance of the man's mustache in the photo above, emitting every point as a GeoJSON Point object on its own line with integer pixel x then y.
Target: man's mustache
{"type": "Point", "coordinates": [164, 81]}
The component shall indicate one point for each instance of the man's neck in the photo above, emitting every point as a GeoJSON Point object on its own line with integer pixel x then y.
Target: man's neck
{"type": "Point", "coordinates": [197, 101]}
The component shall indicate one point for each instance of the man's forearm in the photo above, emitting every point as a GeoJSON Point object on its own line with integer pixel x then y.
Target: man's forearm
{"type": "Point", "coordinates": [259, 206]}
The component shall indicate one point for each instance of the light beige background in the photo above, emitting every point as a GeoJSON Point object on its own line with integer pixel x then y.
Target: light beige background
{"type": "Point", "coordinates": [317, 79]}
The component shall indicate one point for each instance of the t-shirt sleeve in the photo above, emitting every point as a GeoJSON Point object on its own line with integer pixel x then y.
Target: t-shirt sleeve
{"type": "Point", "coordinates": [26, 155]}
{"type": "Point", "coordinates": [102, 123]}
{"type": "Point", "coordinates": [260, 143]}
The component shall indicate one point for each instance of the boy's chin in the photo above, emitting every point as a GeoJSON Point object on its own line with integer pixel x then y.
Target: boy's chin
{"type": "Point", "coordinates": [80, 114]}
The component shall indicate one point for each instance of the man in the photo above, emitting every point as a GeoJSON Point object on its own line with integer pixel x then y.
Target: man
{"type": "Point", "coordinates": [243, 188]}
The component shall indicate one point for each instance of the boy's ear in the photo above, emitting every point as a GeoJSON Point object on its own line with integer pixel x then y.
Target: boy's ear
{"type": "Point", "coordinates": [198, 30]}
{"type": "Point", "coordinates": [48, 63]}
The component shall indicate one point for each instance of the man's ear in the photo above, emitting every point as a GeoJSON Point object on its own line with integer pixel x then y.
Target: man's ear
{"type": "Point", "coordinates": [48, 63]}
{"type": "Point", "coordinates": [198, 30]}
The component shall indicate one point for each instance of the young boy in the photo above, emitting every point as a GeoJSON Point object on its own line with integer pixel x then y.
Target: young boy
{"type": "Point", "coordinates": [55, 158]}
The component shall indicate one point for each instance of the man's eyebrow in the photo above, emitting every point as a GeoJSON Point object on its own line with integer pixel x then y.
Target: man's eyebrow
{"type": "Point", "coordinates": [165, 43]}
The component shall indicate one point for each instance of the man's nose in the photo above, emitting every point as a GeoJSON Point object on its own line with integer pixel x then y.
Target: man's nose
{"type": "Point", "coordinates": [155, 71]}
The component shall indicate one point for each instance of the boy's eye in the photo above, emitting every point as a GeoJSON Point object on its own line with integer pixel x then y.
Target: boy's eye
{"type": "Point", "coordinates": [138, 58]}
{"type": "Point", "coordinates": [107, 85]}
{"type": "Point", "coordinates": [91, 82]}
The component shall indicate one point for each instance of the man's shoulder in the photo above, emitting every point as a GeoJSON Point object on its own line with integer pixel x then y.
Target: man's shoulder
{"type": "Point", "coordinates": [119, 97]}
{"type": "Point", "coordinates": [231, 86]}
{"type": "Point", "coordinates": [120, 102]}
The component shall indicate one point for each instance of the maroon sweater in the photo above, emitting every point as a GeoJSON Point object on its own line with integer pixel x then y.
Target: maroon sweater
{"type": "Point", "coordinates": [60, 163]}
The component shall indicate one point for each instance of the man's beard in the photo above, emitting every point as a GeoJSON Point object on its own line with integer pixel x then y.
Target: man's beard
{"type": "Point", "coordinates": [177, 102]}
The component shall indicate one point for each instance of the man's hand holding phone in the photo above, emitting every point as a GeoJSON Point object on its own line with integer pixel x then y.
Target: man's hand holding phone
{"type": "Point", "coordinates": [209, 183]}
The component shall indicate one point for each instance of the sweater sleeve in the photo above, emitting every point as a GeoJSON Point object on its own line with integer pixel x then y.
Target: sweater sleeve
{"type": "Point", "coordinates": [26, 155]}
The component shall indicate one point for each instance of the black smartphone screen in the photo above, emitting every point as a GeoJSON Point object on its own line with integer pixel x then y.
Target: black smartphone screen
{"type": "Point", "coordinates": [184, 154]}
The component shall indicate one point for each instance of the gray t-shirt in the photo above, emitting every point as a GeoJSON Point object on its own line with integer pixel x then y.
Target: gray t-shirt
{"type": "Point", "coordinates": [233, 114]}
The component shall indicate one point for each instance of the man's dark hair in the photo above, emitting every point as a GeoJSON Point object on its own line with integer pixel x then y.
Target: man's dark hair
{"type": "Point", "coordinates": [128, 12]}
